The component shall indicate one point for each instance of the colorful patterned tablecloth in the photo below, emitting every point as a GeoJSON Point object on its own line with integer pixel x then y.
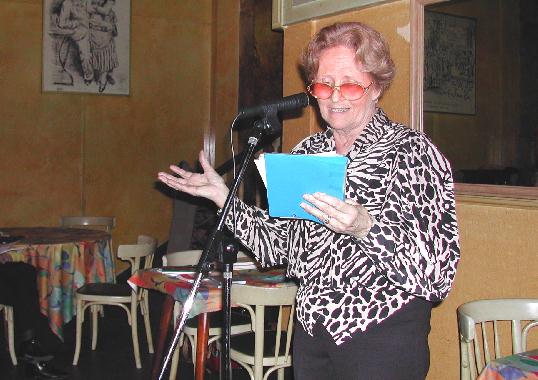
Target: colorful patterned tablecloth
{"type": "Point", "coordinates": [209, 296]}
{"type": "Point", "coordinates": [523, 366]}
{"type": "Point", "coordinates": [65, 259]}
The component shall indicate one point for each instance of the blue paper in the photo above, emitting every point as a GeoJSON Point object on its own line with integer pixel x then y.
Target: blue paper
{"type": "Point", "coordinates": [290, 176]}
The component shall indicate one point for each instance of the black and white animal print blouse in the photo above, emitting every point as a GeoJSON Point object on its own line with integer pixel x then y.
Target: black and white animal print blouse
{"type": "Point", "coordinates": [412, 249]}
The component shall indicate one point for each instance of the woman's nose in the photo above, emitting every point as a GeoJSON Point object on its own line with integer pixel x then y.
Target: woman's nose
{"type": "Point", "coordinates": [335, 96]}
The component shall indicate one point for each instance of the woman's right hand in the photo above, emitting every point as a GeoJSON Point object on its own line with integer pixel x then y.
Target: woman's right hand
{"type": "Point", "coordinates": [208, 184]}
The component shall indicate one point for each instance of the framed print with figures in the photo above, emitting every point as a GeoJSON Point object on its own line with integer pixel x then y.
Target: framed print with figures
{"type": "Point", "coordinates": [86, 46]}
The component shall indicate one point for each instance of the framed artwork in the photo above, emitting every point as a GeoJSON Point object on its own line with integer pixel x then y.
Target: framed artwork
{"type": "Point", "coordinates": [449, 63]}
{"type": "Point", "coordinates": [86, 46]}
{"type": "Point", "coordinates": [287, 12]}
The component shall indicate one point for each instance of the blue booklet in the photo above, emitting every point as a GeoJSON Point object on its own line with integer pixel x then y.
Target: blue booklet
{"type": "Point", "coordinates": [290, 176]}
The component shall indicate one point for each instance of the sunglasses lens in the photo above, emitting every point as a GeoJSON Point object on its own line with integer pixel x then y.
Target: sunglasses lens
{"type": "Point", "coordinates": [321, 90]}
{"type": "Point", "coordinates": [352, 91]}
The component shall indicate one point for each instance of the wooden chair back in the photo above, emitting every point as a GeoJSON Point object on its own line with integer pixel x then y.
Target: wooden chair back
{"type": "Point", "coordinates": [480, 323]}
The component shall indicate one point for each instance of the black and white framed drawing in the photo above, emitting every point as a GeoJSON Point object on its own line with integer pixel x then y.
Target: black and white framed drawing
{"type": "Point", "coordinates": [449, 63]}
{"type": "Point", "coordinates": [86, 46]}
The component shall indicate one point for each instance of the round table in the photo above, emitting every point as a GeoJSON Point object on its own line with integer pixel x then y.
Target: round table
{"type": "Point", "coordinates": [65, 259]}
{"type": "Point", "coordinates": [208, 299]}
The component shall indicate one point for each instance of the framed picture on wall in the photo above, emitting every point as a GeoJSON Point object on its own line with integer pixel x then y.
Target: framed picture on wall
{"type": "Point", "coordinates": [449, 63]}
{"type": "Point", "coordinates": [287, 12]}
{"type": "Point", "coordinates": [86, 46]}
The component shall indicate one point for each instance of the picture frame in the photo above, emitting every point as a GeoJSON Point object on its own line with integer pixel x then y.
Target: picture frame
{"type": "Point", "coordinates": [86, 46]}
{"type": "Point", "coordinates": [287, 12]}
{"type": "Point", "coordinates": [449, 63]}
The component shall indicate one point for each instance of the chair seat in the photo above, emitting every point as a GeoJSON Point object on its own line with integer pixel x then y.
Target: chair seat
{"type": "Point", "coordinates": [105, 289]}
{"type": "Point", "coordinates": [239, 317]}
{"type": "Point", "coordinates": [243, 345]}
{"type": "Point", "coordinates": [240, 323]}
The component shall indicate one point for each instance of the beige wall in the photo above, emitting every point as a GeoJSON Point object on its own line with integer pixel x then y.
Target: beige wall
{"type": "Point", "coordinates": [74, 154]}
{"type": "Point", "coordinates": [498, 243]}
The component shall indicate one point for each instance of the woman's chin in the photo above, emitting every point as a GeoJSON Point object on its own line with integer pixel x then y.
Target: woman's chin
{"type": "Point", "coordinates": [339, 124]}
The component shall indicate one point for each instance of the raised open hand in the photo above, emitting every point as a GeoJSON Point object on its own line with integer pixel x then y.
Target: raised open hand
{"type": "Point", "coordinates": [208, 184]}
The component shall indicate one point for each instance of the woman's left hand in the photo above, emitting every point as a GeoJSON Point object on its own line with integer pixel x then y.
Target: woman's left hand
{"type": "Point", "coordinates": [345, 217]}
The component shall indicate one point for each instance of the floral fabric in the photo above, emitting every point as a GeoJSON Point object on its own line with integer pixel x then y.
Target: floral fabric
{"type": "Point", "coordinates": [63, 266]}
{"type": "Point", "coordinates": [523, 366]}
{"type": "Point", "coordinates": [209, 296]}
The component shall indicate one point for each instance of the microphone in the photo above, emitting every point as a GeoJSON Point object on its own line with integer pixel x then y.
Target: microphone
{"type": "Point", "coordinates": [285, 104]}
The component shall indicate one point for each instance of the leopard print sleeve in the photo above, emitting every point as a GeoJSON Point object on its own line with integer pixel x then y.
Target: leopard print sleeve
{"type": "Point", "coordinates": [414, 239]}
{"type": "Point", "coordinates": [266, 237]}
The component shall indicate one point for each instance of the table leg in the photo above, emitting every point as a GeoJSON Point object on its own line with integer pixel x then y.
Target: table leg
{"type": "Point", "coordinates": [201, 346]}
{"type": "Point", "coordinates": [166, 315]}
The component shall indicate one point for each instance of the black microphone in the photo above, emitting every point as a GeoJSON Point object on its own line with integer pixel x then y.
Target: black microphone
{"type": "Point", "coordinates": [285, 104]}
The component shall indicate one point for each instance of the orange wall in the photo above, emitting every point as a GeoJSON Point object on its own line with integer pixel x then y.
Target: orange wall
{"type": "Point", "coordinates": [74, 154]}
{"type": "Point", "coordinates": [498, 242]}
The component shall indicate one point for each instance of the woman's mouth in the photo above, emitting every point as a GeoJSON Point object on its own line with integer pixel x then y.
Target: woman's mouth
{"type": "Point", "coordinates": [339, 109]}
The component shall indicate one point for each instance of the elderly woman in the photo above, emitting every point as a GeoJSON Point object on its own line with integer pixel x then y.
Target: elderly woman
{"type": "Point", "coordinates": [370, 274]}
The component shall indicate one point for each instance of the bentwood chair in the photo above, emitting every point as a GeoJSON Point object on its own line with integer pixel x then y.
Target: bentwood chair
{"type": "Point", "coordinates": [94, 295]}
{"type": "Point", "coordinates": [240, 321]}
{"type": "Point", "coordinates": [482, 325]}
{"type": "Point", "coordinates": [9, 328]}
{"type": "Point", "coordinates": [264, 347]}
{"type": "Point", "coordinates": [105, 222]}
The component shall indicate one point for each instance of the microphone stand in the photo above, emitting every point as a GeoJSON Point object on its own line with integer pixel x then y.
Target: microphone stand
{"type": "Point", "coordinates": [215, 239]}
